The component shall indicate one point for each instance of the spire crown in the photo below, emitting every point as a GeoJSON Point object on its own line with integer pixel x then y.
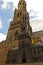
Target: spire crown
{"type": "Point", "coordinates": [22, 4]}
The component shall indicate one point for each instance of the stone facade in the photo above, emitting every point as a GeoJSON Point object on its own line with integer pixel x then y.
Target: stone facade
{"type": "Point", "coordinates": [17, 48]}
{"type": "Point", "coordinates": [25, 55]}
{"type": "Point", "coordinates": [20, 32]}
{"type": "Point", "coordinates": [19, 28]}
{"type": "Point", "coordinates": [37, 36]}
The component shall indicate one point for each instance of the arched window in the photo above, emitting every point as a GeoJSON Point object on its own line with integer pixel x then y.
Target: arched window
{"type": "Point", "coordinates": [23, 28]}
{"type": "Point", "coordinates": [16, 33]}
{"type": "Point", "coordinates": [20, 3]}
{"type": "Point", "coordinates": [19, 14]}
{"type": "Point", "coordinates": [24, 17]}
{"type": "Point", "coordinates": [23, 45]}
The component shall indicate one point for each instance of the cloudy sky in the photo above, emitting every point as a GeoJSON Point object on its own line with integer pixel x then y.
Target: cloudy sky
{"type": "Point", "coordinates": [7, 7]}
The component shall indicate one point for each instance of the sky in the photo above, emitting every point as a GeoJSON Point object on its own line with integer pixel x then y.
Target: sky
{"type": "Point", "coordinates": [7, 7]}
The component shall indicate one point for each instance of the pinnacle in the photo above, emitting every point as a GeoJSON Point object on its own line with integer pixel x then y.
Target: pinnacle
{"type": "Point", "coordinates": [21, 0]}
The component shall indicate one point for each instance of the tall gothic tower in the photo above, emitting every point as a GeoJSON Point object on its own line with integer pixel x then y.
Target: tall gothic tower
{"type": "Point", "coordinates": [19, 32]}
{"type": "Point", "coordinates": [17, 48]}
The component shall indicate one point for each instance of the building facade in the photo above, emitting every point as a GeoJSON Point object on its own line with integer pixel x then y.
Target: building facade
{"type": "Point", "coordinates": [21, 31]}
{"type": "Point", "coordinates": [37, 37]}
{"type": "Point", "coordinates": [18, 48]}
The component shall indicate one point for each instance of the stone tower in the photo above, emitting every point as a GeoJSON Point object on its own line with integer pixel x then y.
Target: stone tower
{"type": "Point", "coordinates": [20, 29]}
{"type": "Point", "coordinates": [19, 34]}
{"type": "Point", "coordinates": [17, 47]}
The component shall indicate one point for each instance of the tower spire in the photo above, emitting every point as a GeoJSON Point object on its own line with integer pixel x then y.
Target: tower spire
{"type": "Point", "coordinates": [21, 0]}
{"type": "Point", "coordinates": [22, 5]}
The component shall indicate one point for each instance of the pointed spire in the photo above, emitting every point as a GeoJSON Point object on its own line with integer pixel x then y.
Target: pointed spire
{"type": "Point", "coordinates": [22, 4]}
{"type": "Point", "coordinates": [22, 0]}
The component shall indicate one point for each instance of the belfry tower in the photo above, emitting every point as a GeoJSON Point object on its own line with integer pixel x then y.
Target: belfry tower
{"type": "Point", "coordinates": [20, 29]}
{"type": "Point", "coordinates": [19, 34]}
{"type": "Point", "coordinates": [17, 48]}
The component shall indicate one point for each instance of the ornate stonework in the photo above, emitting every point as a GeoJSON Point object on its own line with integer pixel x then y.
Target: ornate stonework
{"type": "Point", "coordinates": [20, 26]}
{"type": "Point", "coordinates": [18, 47]}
